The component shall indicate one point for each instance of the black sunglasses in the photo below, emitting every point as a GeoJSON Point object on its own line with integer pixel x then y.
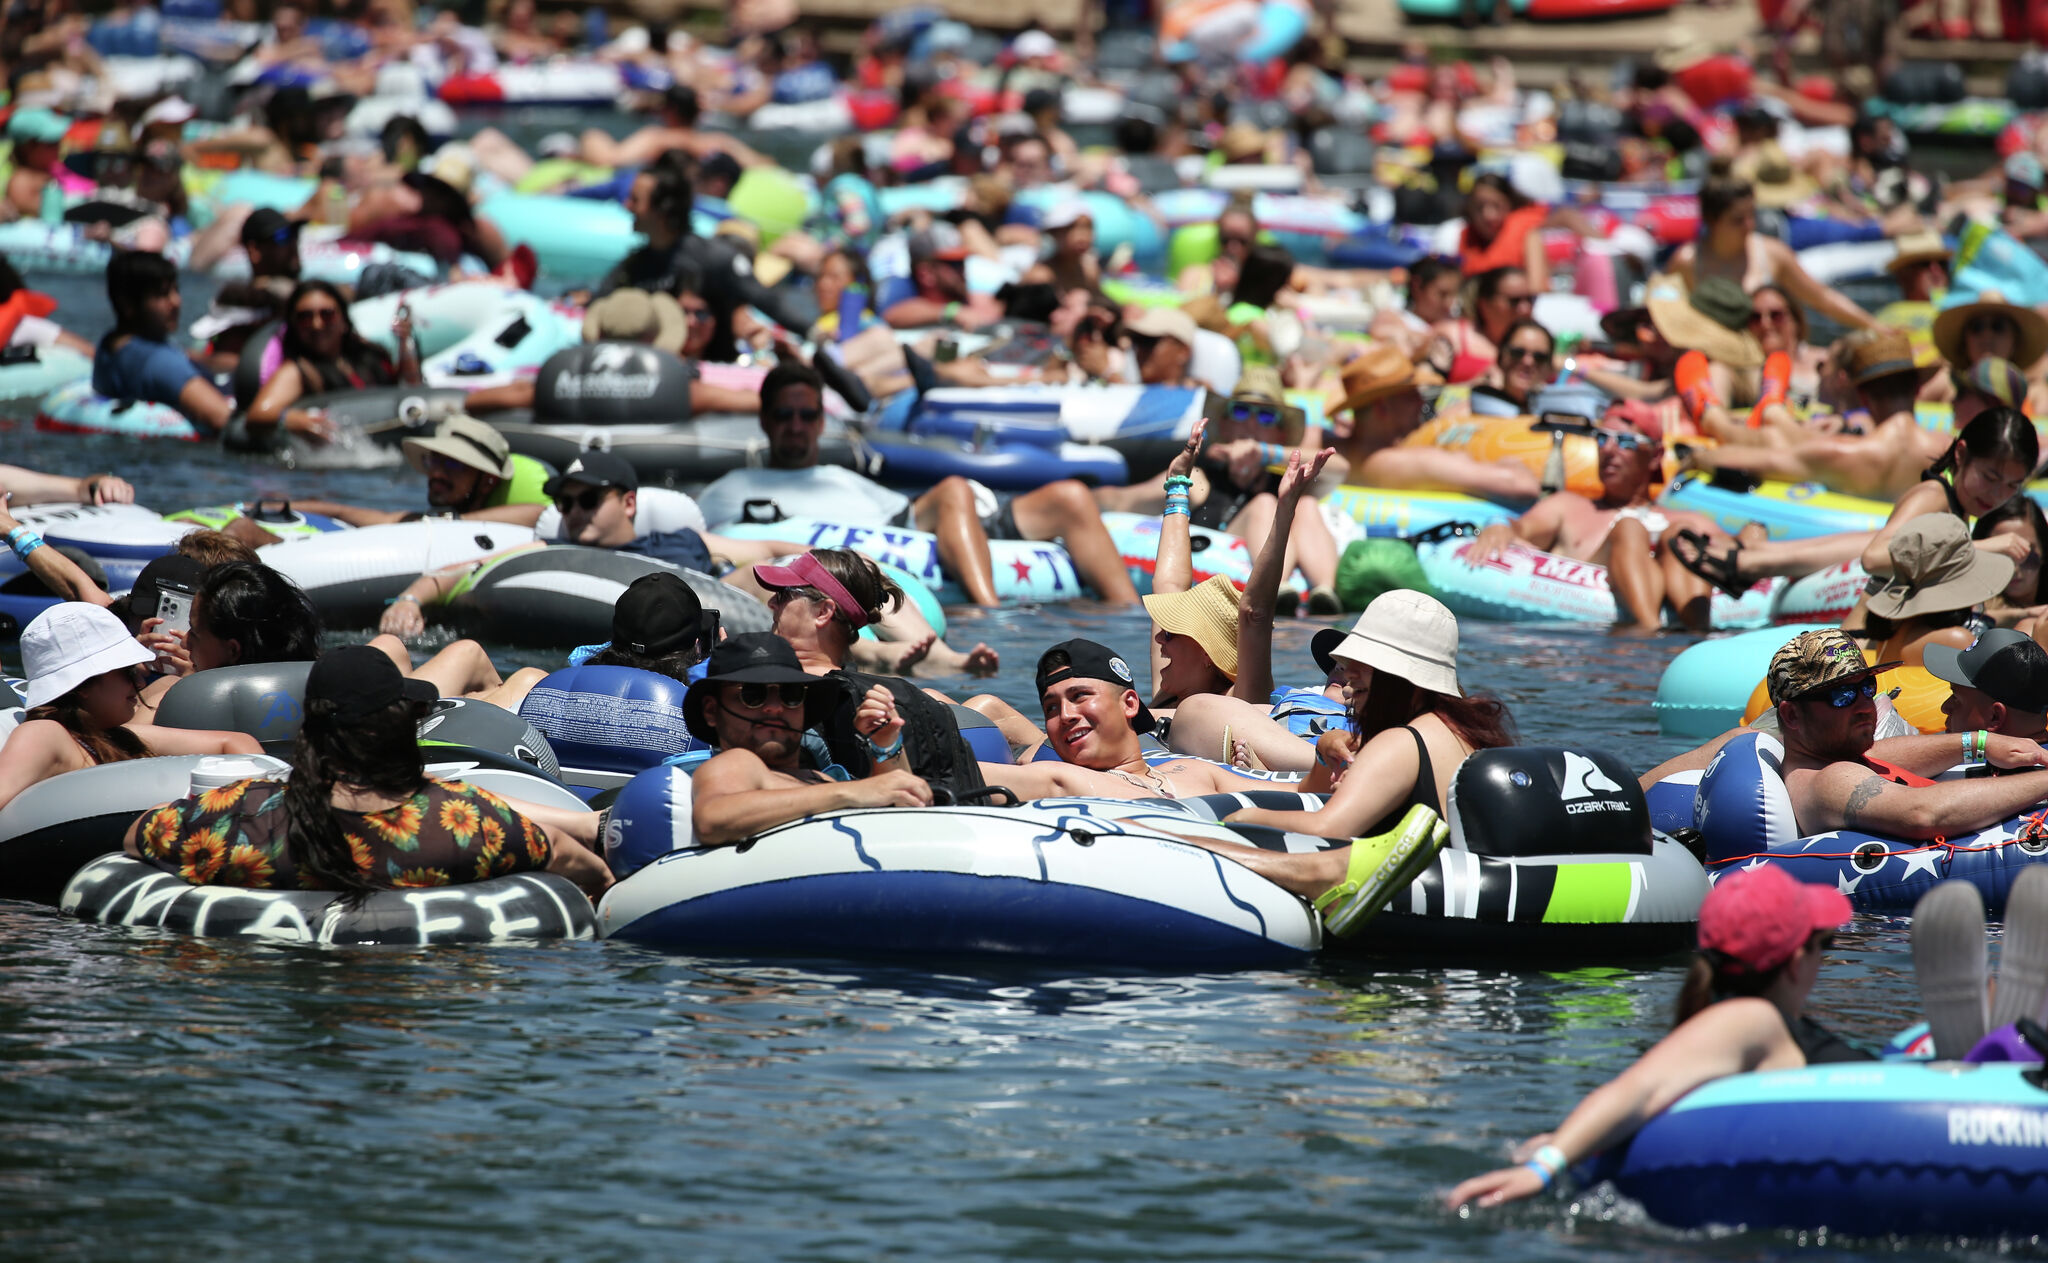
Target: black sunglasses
{"type": "Point", "coordinates": [587, 501]}
{"type": "Point", "coordinates": [755, 696]}
{"type": "Point", "coordinates": [1516, 354]}
{"type": "Point", "coordinates": [805, 415]}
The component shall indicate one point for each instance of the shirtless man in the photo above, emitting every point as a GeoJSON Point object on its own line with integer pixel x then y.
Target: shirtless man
{"type": "Point", "coordinates": [1386, 406]}
{"type": "Point", "coordinates": [751, 706]}
{"type": "Point", "coordinates": [1838, 778]}
{"type": "Point", "coordinates": [1882, 465]}
{"type": "Point", "coordinates": [1621, 530]}
{"type": "Point", "coordinates": [677, 130]}
{"type": "Point", "coordinates": [1093, 718]}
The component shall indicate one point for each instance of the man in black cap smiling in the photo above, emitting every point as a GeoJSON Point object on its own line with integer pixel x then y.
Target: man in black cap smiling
{"type": "Point", "coordinates": [752, 705]}
{"type": "Point", "coordinates": [1998, 684]}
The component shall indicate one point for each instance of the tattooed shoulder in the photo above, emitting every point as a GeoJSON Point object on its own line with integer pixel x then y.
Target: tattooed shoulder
{"type": "Point", "coordinates": [1861, 797]}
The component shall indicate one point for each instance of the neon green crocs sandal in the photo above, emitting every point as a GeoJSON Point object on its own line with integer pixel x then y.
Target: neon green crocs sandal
{"type": "Point", "coordinates": [1380, 868]}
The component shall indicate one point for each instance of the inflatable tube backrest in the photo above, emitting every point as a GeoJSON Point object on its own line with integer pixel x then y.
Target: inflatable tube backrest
{"type": "Point", "coordinates": [1742, 807]}
{"type": "Point", "coordinates": [1671, 802]}
{"type": "Point", "coordinates": [982, 735]}
{"type": "Point", "coordinates": [649, 819]}
{"type": "Point", "coordinates": [1527, 801]}
{"type": "Point", "coordinates": [611, 383]}
{"type": "Point", "coordinates": [460, 723]}
{"type": "Point", "coordinates": [261, 699]}
{"type": "Point", "coordinates": [610, 719]}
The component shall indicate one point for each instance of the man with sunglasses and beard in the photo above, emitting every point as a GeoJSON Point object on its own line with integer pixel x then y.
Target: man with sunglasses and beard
{"type": "Point", "coordinates": [1621, 530]}
{"type": "Point", "coordinates": [793, 418]}
{"type": "Point", "coordinates": [1840, 777]}
{"type": "Point", "coordinates": [752, 706]}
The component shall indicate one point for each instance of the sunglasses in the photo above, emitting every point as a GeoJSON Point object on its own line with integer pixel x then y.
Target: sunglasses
{"type": "Point", "coordinates": [791, 696]}
{"type": "Point", "coordinates": [316, 315]}
{"type": "Point", "coordinates": [587, 501]}
{"type": "Point", "coordinates": [1765, 315]}
{"type": "Point", "coordinates": [1989, 324]}
{"type": "Point", "coordinates": [1626, 440]}
{"type": "Point", "coordinates": [697, 313]}
{"type": "Point", "coordinates": [1256, 413]}
{"type": "Point", "coordinates": [1843, 696]}
{"type": "Point", "coordinates": [1516, 354]}
{"type": "Point", "coordinates": [437, 463]}
{"type": "Point", "coordinates": [1233, 240]}
{"type": "Point", "coordinates": [1517, 300]}
{"type": "Point", "coordinates": [805, 415]}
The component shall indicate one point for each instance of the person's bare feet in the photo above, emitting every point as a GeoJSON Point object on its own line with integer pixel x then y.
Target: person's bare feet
{"type": "Point", "coordinates": [946, 660]}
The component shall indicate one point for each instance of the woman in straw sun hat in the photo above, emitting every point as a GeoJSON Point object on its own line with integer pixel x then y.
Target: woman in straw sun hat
{"type": "Point", "coordinates": [1412, 724]}
{"type": "Point", "coordinates": [81, 665]}
{"type": "Point", "coordinates": [1969, 329]}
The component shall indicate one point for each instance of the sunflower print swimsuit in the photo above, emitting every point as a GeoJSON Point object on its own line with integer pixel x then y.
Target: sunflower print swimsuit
{"type": "Point", "coordinates": [444, 835]}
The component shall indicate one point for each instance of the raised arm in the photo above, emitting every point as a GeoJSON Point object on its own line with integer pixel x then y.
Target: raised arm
{"type": "Point", "coordinates": [1789, 272]}
{"type": "Point", "coordinates": [1254, 681]}
{"type": "Point", "coordinates": [1173, 567]}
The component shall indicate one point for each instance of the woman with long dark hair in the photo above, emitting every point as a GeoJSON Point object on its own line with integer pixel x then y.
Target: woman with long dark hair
{"type": "Point", "coordinates": [1411, 727]}
{"type": "Point", "coordinates": [81, 665]}
{"type": "Point", "coordinates": [2025, 598]}
{"type": "Point", "coordinates": [323, 353]}
{"type": "Point", "coordinates": [1730, 246]}
{"type": "Point", "coordinates": [359, 813]}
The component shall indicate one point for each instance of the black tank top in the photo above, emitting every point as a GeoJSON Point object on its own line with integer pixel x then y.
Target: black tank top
{"type": "Point", "coordinates": [1421, 794]}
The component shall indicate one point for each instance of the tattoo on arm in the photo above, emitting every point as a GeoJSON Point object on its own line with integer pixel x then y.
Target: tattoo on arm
{"type": "Point", "coordinates": [1860, 798]}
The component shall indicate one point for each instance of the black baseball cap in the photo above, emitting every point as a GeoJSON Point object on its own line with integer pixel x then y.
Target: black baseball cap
{"type": "Point", "coordinates": [748, 658]}
{"type": "Point", "coordinates": [659, 613]}
{"type": "Point", "coordinates": [595, 469]}
{"type": "Point", "coordinates": [1086, 660]}
{"type": "Point", "coordinates": [361, 681]}
{"type": "Point", "coordinates": [173, 570]}
{"type": "Point", "coordinates": [2003, 664]}
{"type": "Point", "coordinates": [268, 227]}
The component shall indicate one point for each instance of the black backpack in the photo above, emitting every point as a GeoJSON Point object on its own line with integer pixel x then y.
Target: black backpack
{"type": "Point", "coordinates": [931, 739]}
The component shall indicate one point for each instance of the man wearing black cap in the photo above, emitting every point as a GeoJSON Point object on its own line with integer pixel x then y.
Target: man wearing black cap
{"type": "Point", "coordinates": [1998, 684]}
{"type": "Point", "coordinates": [1093, 718]}
{"type": "Point", "coordinates": [752, 705]}
{"type": "Point", "coordinates": [659, 625]}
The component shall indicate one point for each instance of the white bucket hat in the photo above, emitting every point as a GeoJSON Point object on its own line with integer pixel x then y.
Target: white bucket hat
{"type": "Point", "coordinates": [1410, 635]}
{"type": "Point", "coordinates": [68, 644]}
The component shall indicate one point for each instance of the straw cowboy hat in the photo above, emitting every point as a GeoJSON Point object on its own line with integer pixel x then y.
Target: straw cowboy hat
{"type": "Point", "coordinates": [1712, 318]}
{"type": "Point", "coordinates": [1375, 373]}
{"type": "Point", "coordinates": [1868, 354]}
{"type": "Point", "coordinates": [1936, 569]}
{"type": "Point", "coordinates": [1206, 614]}
{"type": "Point", "coordinates": [1407, 634]}
{"type": "Point", "coordinates": [1918, 247]}
{"type": "Point", "coordinates": [634, 315]}
{"type": "Point", "coordinates": [1769, 171]}
{"type": "Point", "coordinates": [1956, 314]}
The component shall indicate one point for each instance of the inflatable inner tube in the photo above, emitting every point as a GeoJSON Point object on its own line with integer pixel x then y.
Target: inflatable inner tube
{"type": "Point", "coordinates": [521, 908]}
{"type": "Point", "coordinates": [563, 595]}
{"type": "Point", "coordinates": [610, 723]}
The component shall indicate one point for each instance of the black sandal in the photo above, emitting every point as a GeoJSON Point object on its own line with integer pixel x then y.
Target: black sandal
{"type": "Point", "coordinates": [1722, 572]}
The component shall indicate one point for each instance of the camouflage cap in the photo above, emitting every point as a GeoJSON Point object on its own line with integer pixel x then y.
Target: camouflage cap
{"type": "Point", "coordinates": [1815, 659]}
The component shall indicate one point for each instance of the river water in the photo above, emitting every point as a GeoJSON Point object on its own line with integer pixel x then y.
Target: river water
{"type": "Point", "coordinates": [172, 1098]}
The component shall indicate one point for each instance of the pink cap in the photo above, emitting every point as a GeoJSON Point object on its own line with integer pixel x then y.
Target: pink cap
{"type": "Point", "coordinates": [1755, 919]}
{"type": "Point", "coordinates": [807, 571]}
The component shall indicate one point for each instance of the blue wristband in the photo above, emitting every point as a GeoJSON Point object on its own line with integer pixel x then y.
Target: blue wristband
{"type": "Point", "coordinates": [882, 754]}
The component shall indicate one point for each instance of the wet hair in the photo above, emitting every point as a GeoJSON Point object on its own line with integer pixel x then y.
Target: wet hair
{"type": "Point", "coordinates": [264, 612]}
{"type": "Point", "coordinates": [785, 375]}
{"type": "Point", "coordinates": [675, 664]}
{"type": "Point", "coordinates": [674, 193]}
{"type": "Point", "coordinates": [102, 745]}
{"type": "Point", "coordinates": [2001, 434]}
{"type": "Point", "coordinates": [355, 349]}
{"type": "Point", "coordinates": [1719, 195]}
{"type": "Point", "coordinates": [1707, 982]}
{"type": "Point", "coordinates": [2025, 508]}
{"type": "Point", "coordinates": [1487, 284]}
{"type": "Point", "coordinates": [401, 130]}
{"type": "Point", "coordinates": [1267, 270]}
{"type": "Point", "coordinates": [863, 581]}
{"type": "Point", "coordinates": [1480, 720]}
{"type": "Point", "coordinates": [133, 277]}
{"type": "Point", "coordinates": [1499, 184]}
{"type": "Point", "coordinates": [379, 753]}
{"type": "Point", "coordinates": [212, 548]}
{"type": "Point", "coordinates": [681, 100]}
{"type": "Point", "coordinates": [1136, 135]}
